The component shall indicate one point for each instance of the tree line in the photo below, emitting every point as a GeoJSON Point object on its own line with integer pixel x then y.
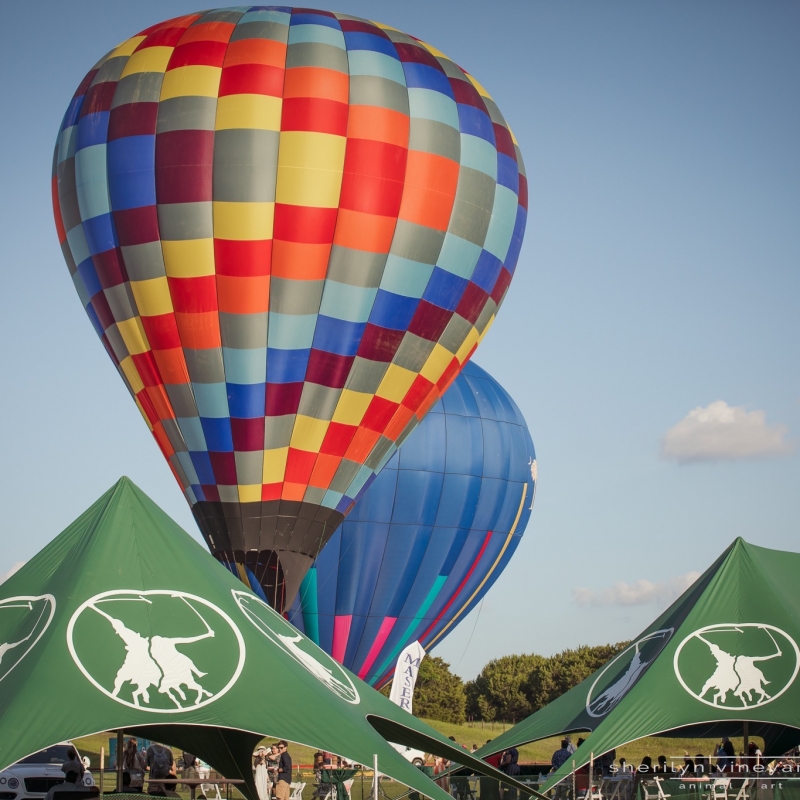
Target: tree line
{"type": "Point", "coordinates": [507, 689]}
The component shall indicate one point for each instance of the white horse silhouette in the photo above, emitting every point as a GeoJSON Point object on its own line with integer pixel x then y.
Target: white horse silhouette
{"type": "Point", "coordinates": [138, 667]}
{"type": "Point", "coordinates": [320, 671]}
{"type": "Point", "coordinates": [751, 678]}
{"type": "Point", "coordinates": [724, 679]}
{"type": "Point", "coordinates": [611, 696]}
{"type": "Point", "coordinates": [737, 674]}
{"type": "Point", "coordinates": [6, 646]}
{"type": "Point", "coordinates": [156, 661]}
{"type": "Point", "coordinates": [179, 670]}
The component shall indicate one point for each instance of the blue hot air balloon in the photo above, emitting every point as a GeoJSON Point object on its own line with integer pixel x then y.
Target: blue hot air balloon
{"type": "Point", "coordinates": [429, 537]}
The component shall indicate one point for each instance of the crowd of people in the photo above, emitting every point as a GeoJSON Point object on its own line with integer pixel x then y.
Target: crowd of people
{"type": "Point", "coordinates": [273, 771]}
{"type": "Point", "coordinates": [156, 763]}
{"type": "Point", "coordinates": [723, 761]}
{"type": "Point", "coordinates": [272, 767]}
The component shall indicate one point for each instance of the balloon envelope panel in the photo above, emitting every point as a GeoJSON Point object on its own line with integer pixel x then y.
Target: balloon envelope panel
{"type": "Point", "coordinates": [429, 537]}
{"type": "Point", "coordinates": [290, 229]}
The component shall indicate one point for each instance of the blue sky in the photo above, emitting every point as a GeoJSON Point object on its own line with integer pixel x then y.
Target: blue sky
{"type": "Point", "coordinates": [660, 273]}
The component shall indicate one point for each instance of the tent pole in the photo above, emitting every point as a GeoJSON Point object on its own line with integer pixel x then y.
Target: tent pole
{"type": "Point", "coordinates": [120, 745]}
{"type": "Point", "coordinates": [746, 746]}
{"type": "Point", "coordinates": [591, 776]}
{"type": "Point", "coordinates": [375, 778]}
{"type": "Point", "coordinates": [102, 767]}
{"type": "Point", "coordinates": [574, 793]}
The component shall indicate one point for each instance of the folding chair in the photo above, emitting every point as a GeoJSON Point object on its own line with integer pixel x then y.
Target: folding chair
{"type": "Point", "coordinates": [461, 789]}
{"type": "Point", "coordinates": [324, 791]}
{"type": "Point", "coordinates": [719, 789]}
{"type": "Point", "coordinates": [613, 788]}
{"type": "Point", "coordinates": [742, 793]}
{"type": "Point", "coordinates": [659, 790]}
{"type": "Point", "coordinates": [594, 792]}
{"type": "Point", "coordinates": [296, 792]}
{"type": "Point", "coordinates": [210, 791]}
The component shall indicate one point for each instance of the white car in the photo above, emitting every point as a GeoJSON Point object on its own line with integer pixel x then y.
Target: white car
{"type": "Point", "coordinates": [31, 778]}
{"type": "Point", "coordinates": [416, 757]}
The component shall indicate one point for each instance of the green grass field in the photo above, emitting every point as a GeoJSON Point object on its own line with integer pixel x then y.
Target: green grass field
{"type": "Point", "coordinates": [542, 751]}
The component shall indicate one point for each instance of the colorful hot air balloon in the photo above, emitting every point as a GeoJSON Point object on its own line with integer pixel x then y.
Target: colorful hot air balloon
{"type": "Point", "coordinates": [290, 229]}
{"type": "Point", "coordinates": [429, 537]}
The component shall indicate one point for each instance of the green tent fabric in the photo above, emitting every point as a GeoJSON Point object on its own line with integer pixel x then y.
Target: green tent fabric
{"type": "Point", "coordinates": [124, 621]}
{"type": "Point", "coordinates": [723, 654]}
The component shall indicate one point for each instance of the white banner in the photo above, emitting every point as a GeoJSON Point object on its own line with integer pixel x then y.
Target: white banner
{"type": "Point", "coordinates": [405, 675]}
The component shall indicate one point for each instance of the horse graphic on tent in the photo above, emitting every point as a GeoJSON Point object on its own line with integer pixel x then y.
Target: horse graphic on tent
{"type": "Point", "coordinates": [611, 696]}
{"type": "Point", "coordinates": [6, 647]}
{"type": "Point", "coordinates": [156, 661]}
{"type": "Point", "coordinates": [652, 643]}
{"type": "Point", "coordinates": [737, 674]}
{"type": "Point", "coordinates": [319, 671]}
{"type": "Point", "coordinates": [724, 678]}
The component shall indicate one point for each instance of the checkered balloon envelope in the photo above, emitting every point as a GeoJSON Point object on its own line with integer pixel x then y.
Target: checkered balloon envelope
{"type": "Point", "coordinates": [290, 229]}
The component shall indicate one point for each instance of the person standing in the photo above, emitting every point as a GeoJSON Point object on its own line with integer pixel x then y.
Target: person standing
{"type": "Point", "coordinates": [319, 765]}
{"type": "Point", "coordinates": [189, 768]}
{"type": "Point", "coordinates": [754, 756]}
{"type": "Point", "coordinates": [726, 755]}
{"type": "Point", "coordinates": [161, 763]}
{"type": "Point", "coordinates": [134, 764]}
{"type": "Point", "coordinates": [509, 763]}
{"type": "Point", "coordinates": [283, 786]}
{"type": "Point", "coordinates": [260, 773]}
{"type": "Point", "coordinates": [273, 756]}
{"type": "Point", "coordinates": [440, 765]}
{"type": "Point", "coordinates": [560, 755]}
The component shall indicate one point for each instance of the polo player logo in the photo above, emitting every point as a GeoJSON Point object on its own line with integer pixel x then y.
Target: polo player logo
{"type": "Point", "coordinates": [622, 672]}
{"type": "Point", "coordinates": [327, 671]}
{"type": "Point", "coordinates": [23, 621]}
{"type": "Point", "coordinates": [737, 665]}
{"type": "Point", "coordinates": [177, 651]}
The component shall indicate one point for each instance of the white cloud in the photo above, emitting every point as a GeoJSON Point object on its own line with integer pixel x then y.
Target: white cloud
{"type": "Point", "coordinates": [638, 593]}
{"type": "Point", "coordinates": [722, 432]}
{"type": "Point", "coordinates": [16, 566]}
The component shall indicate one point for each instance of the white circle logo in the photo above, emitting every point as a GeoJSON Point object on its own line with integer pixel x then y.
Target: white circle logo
{"type": "Point", "coordinates": [23, 621]}
{"type": "Point", "coordinates": [737, 665]}
{"type": "Point", "coordinates": [161, 650]}
{"type": "Point", "coordinates": [330, 673]}
{"type": "Point", "coordinates": [617, 678]}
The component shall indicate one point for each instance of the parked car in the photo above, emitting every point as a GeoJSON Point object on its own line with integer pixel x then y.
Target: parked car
{"type": "Point", "coordinates": [416, 757]}
{"type": "Point", "coordinates": [32, 777]}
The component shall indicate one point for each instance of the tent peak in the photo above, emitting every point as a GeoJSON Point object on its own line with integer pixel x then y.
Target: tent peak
{"type": "Point", "coordinates": [124, 482]}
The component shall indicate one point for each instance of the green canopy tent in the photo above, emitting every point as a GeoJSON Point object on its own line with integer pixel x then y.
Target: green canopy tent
{"type": "Point", "coordinates": [125, 622]}
{"type": "Point", "coordinates": [721, 661]}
